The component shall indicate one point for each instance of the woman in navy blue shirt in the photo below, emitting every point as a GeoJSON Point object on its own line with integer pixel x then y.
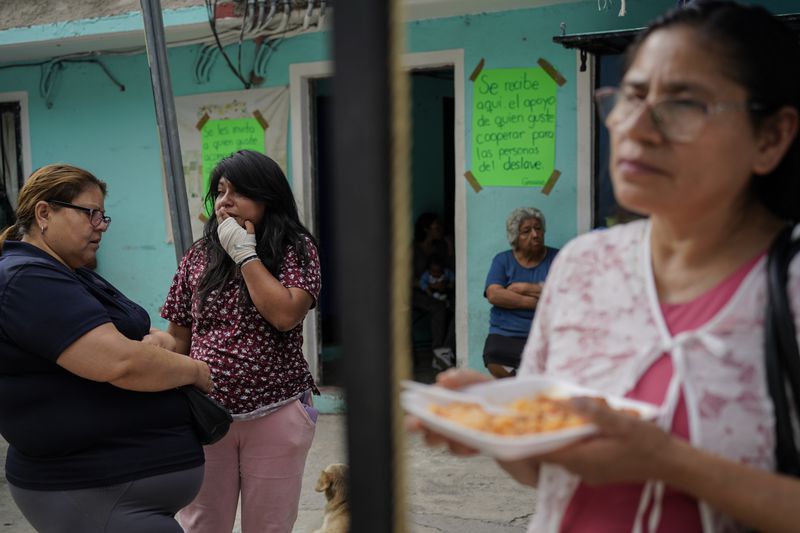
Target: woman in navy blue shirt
{"type": "Point", "coordinates": [513, 286]}
{"type": "Point", "coordinates": [99, 438]}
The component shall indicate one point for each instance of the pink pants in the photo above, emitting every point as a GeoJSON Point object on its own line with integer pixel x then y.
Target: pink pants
{"type": "Point", "coordinates": [263, 459]}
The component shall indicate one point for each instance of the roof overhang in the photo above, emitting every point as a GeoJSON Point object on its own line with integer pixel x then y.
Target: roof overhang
{"type": "Point", "coordinates": [124, 31]}
{"type": "Point", "coordinates": [615, 42]}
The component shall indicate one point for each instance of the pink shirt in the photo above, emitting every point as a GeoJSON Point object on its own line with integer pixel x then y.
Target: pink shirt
{"type": "Point", "coordinates": [612, 508]}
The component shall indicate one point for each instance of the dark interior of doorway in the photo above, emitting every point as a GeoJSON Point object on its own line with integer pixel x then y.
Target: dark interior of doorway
{"type": "Point", "coordinates": [433, 191]}
{"type": "Point", "coordinates": [606, 212]}
{"type": "Point", "coordinates": [605, 208]}
{"type": "Point", "coordinates": [10, 160]}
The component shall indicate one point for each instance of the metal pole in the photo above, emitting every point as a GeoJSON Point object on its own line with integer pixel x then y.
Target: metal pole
{"type": "Point", "coordinates": [167, 125]}
{"type": "Point", "coordinates": [362, 134]}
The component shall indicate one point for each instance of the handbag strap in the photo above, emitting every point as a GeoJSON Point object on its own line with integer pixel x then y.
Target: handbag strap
{"type": "Point", "coordinates": [781, 351]}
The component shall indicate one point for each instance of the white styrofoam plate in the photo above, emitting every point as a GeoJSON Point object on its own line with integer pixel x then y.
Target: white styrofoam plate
{"type": "Point", "coordinates": [505, 391]}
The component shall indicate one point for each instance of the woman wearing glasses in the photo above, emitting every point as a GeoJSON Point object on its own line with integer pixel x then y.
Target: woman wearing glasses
{"type": "Point", "coordinates": [99, 440]}
{"type": "Point", "coordinates": [670, 310]}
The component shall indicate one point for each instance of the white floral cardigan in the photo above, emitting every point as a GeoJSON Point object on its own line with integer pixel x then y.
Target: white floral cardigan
{"type": "Point", "coordinates": [599, 324]}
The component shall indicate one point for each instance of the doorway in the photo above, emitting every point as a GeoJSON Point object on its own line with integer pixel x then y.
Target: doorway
{"type": "Point", "coordinates": [436, 185]}
{"type": "Point", "coordinates": [330, 354]}
{"type": "Point", "coordinates": [432, 109]}
{"type": "Point", "coordinates": [432, 189]}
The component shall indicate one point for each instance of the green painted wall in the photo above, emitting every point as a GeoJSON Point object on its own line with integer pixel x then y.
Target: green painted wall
{"type": "Point", "coordinates": [113, 133]}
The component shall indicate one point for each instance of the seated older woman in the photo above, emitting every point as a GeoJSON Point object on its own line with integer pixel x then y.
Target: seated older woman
{"type": "Point", "coordinates": [99, 437]}
{"type": "Point", "coordinates": [513, 286]}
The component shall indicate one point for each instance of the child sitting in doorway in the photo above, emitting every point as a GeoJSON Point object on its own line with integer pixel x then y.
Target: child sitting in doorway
{"type": "Point", "coordinates": [437, 280]}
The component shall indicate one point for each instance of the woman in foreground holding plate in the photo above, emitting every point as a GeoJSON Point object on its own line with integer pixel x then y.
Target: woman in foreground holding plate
{"type": "Point", "coordinates": [670, 310]}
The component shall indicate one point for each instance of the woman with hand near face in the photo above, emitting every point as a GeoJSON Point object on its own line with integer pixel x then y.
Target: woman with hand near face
{"type": "Point", "coordinates": [237, 302]}
{"type": "Point", "coordinates": [670, 310]}
{"type": "Point", "coordinates": [99, 439]}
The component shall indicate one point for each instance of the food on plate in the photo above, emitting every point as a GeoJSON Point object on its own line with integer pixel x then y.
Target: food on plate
{"type": "Point", "coordinates": [537, 414]}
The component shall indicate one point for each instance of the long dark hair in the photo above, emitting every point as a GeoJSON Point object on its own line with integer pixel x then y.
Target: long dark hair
{"type": "Point", "coordinates": [759, 52]}
{"type": "Point", "coordinates": [259, 178]}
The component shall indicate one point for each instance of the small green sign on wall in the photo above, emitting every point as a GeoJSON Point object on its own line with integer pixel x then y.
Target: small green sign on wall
{"type": "Point", "coordinates": [513, 127]}
{"type": "Point", "coordinates": [221, 138]}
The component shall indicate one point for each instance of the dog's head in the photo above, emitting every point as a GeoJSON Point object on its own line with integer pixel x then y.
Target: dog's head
{"type": "Point", "coordinates": [333, 481]}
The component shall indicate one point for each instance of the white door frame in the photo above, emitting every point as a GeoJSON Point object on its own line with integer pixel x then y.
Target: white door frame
{"type": "Point", "coordinates": [300, 77]}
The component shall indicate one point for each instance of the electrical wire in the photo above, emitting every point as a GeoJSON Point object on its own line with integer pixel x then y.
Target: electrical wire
{"type": "Point", "coordinates": [211, 47]}
{"type": "Point", "coordinates": [321, 16]}
{"type": "Point", "coordinates": [47, 81]}
{"type": "Point", "coordinates": [287, 14]}
{"type": "Point", "coordinates": [272, 9]}
{"type": "Point", "coordinates": [104, 68]}
{"type": "Point", "coordinates": [258, 13]}
{"type": "Point", "coordinates": [309, 11]}
{"type": "Point", "coordinates": [51, 73]}
{"type": "Point", "coordinates": [211, 8]}
{"type": "Point", "coordinates": [241, 38]}
{"type": "Point", "coordinates": [262, 57]}
{"type": "Point", "coordinates": [266, 32]}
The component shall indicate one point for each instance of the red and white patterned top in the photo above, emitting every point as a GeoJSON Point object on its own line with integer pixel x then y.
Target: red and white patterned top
{"type": "Point", "coordinates": [254, 365]}
{"type": "Point", "coordinates": [599, 324]}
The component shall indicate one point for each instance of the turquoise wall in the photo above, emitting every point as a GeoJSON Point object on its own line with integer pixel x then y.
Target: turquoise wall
{"type": "Point", "coordinates": [505, 40]}
{"type": "Point", "coordinates": [113, 134]}
{"type": "Point", "coordinates": [517, 39]}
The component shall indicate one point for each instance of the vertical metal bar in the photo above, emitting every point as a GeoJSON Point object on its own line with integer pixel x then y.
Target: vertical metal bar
{"type": "Point", "coordinates": [167, 125]}
{"type": "Point", "coordinates": [361, 203]}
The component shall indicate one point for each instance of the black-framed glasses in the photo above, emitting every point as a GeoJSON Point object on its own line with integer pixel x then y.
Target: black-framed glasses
{"type": "Point", "coordinates": [677, 119]}
{"type": "Point", "coordinates": [96, 216]}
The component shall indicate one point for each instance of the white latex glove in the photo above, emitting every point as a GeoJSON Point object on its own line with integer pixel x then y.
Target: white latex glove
{"type": "Point", "coordinates": [239, 244]}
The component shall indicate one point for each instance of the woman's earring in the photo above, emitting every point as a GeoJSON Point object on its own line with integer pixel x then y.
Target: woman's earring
{"type": "Point", "coordinates": [42, 228]}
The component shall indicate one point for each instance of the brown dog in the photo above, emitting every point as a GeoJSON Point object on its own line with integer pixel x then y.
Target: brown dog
{"type": "Point", "coordinates": [333, 482]}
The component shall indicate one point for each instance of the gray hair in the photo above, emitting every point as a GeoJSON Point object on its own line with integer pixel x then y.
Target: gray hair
{"type": "Point", "coordinates": [517, 217]}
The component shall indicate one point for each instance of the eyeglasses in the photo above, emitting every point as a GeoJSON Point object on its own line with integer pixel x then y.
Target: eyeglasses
{"type": "Point", "coordinates": [96, 216]}
{"type": "Point", "coordinates": [678, 119]}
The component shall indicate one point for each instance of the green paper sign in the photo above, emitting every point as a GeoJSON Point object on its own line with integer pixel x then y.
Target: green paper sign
{"type": "Point", "coordinates": [221, 138]}
{"type": "Point", "coordinates": [513, 127]}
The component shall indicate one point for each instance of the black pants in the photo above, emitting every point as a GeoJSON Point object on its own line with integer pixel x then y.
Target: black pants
{"type": "Point", "coordinates": [442, 331]}
{"type": "Point", "coordinates": [502, 350]}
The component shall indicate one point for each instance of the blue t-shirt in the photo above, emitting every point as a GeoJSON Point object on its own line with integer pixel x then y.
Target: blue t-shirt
{"type": "Point", "coordinates": [504, 271]}
{"type": "Point", "coordinates": [66, 432]}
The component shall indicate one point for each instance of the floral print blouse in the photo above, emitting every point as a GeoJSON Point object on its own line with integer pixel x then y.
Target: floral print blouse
{"type": "Point", "coordinates": [254, 365]}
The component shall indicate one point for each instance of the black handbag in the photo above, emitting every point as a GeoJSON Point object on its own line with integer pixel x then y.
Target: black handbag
{"type": "Point", "coordinates": [211, 420]}
{"type": "Point", "coordinates": [782, 354]}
